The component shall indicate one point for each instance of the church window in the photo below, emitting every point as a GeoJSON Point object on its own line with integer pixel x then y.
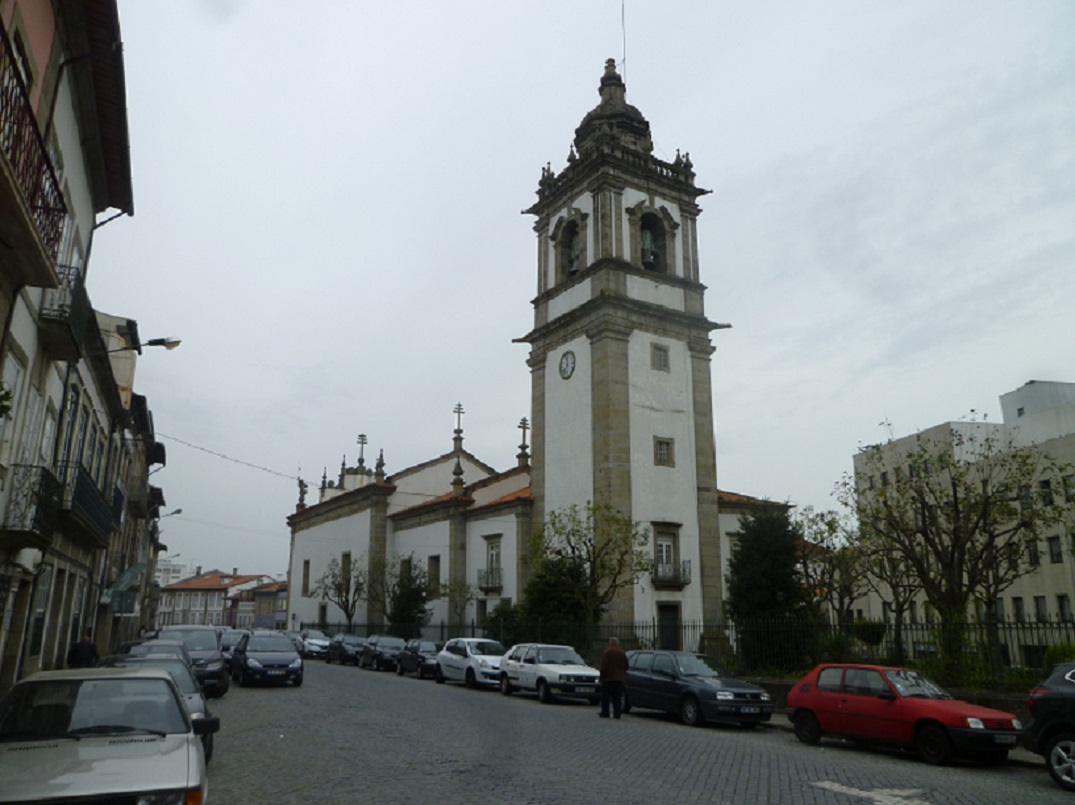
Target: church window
{"type": "Point", "coordinates": [433, 570]}
{"type": "Point", "coordinates": [664, 454]}
{"type": "Point", "coordinates": [659, 358]}
{"type": "Point", "coordinates": [653, 243]}
{"type": "Point", "coordinates": [571, 249]}
{"type": "Point", "coordinates": [306, 578]}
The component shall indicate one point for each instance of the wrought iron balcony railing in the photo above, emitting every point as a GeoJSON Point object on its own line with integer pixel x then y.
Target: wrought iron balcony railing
{"type": "Point", "coordinates": [671, 574]}
{"type": "Point", "coordinates": [85, 514]}
{"type": "Point", "coordinates": [32, 509]}
{"type": "Point", "coordinates": [65, 313]}
{"type": "Point", "coordinates": [490, 578]}
{"type": "Point", "coordinates": [33, 212]}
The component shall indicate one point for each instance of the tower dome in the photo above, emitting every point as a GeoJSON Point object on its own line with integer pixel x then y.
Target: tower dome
{"type": "Point", "coordinates": [613, 120]}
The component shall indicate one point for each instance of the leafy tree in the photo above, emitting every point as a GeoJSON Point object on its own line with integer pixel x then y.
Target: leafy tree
{"type": "Point", "coordinates": [776, 626]}
{"type": "Point", "coordinates": [343, 586]}
{"type": "Point", "coordinates": [894, 581]}
{"type": "Point", "coordinates": [956, 504]}
{"type": "Point", "coordinates": [764, 577]}
{"type": "Point", "coordinates": [400, 589]}
{"type": "Point", "coordinates": [583, 557]}
{"type": "Point", "coordinates": [504, 623]}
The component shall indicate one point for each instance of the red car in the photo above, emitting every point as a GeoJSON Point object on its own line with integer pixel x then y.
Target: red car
{"type": "Point", "coordinates": [900, 707]}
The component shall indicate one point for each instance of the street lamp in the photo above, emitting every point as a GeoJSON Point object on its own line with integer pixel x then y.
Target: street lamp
{"type": "Point", "coordinates": [169, 514]}
{"type": "Point", "coordinates": [168, 343]}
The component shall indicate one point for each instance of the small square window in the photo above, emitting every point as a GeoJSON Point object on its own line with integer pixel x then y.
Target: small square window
{"type": "Point", "coordinates": [664, 454]}
{"type": "Point", "coordinates": [659, 359]}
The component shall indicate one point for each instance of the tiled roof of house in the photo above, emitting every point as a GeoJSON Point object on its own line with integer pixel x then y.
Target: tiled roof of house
{"type": "Point", "coordinates": [736, 499]}
{"type": "Point", "coordinates": [213, 581]}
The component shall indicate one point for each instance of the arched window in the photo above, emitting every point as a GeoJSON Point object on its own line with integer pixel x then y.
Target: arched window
{"type": "Point", "coordinates": [571, 249]}
{"type": "Point", "coordinates": [653, 243]}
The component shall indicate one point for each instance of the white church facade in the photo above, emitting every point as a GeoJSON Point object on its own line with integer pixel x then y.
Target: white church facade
{"type": "Point", "coordinates": [621, 404]}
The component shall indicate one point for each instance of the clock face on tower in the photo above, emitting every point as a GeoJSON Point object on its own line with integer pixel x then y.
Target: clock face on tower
{"type": "Point", "coordinates": [567, 364]}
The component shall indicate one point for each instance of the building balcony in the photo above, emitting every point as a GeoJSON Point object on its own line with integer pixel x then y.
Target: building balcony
{"type": "Point", "coordinates": [32, 510]}
{"type": "Point", "coordinates": [65, 314]}
{"type": "Point", "coordinates": [85, 515]}
{"type": "Point", "coordinates": [490, 579]}
{"type": "Point", "coordinates": [671, 575]}
{"type": "Point", "coordinates": [32, 208]}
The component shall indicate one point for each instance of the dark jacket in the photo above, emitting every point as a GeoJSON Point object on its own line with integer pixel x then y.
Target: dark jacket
{"type": "Point", "coordinates": [83, 654]}
{"type": "Point", "coordinates": [613, 664]}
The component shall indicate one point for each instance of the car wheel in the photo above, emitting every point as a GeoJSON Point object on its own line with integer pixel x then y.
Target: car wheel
{"type": "Point", "coordinates": [1060, 759]}
{"type": "Point", "coordinates": [543, 693]}
{"type": "Point", "coordinates": [438, 675]}
{"type": "Point", "coordinates": [933, 744]}
{"type": "Point", "coordinates": [471, 680]}
{"type": "Point", "coordinates": [297, 682]}
{"type": "Point", "coordinates": [505, 685]}
{"type": "Point", "coordinates": [625, 703]}
{"type": "Point", "coordinates": [690, 711]}
{"type": "Point", "coordinates": [807, 729]}
{"type": "Point", "coordinates": [207, 746]}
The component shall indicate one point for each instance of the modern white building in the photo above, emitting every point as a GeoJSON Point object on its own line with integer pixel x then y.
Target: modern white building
{"type": "Point", "coordinates": [1042, 414]}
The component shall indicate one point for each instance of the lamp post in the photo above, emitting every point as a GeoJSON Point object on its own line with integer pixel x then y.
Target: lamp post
{"type": "Point", "coordinates": [169, 343]}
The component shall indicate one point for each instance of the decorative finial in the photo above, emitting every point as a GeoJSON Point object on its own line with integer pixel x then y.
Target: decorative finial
{"type": "Point", "coordinates": [343, 470]}
{"type": "Point", "coordinates": [361, 450]}
{"type": "Point", "coordinates": [379, 468]}
{"type": "Point", "coordinates": [324, 479]}
{"type": "Point", "coordinates": [302, 495]}
{"type": "Point", "coordinates": [523, 455]}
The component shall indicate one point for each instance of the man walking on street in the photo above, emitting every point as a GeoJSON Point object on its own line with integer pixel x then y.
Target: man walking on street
{"type": "Point", "coordinates": [83, 654]}
{"type": "Point", "coordinates": [613, 670]}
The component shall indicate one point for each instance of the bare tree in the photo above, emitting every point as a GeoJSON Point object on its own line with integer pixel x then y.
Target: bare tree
{"type": "Point", "coordinates": [342, 586]}
{"type": "Point", "coordinates": [459, 594]}
{"type": "Point", "coordinates": [832, 562]}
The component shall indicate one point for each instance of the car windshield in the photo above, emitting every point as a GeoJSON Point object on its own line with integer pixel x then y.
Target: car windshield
{"type": "Point", "coordinates": [693, 665]}
{"type": "Point", "coordinates": [153, 647]}
{"type": "Point", "coordinates": [912, 685]}
{"type": "Point", "coordinates": [82, 708]}
{"type": "Point", "coordinates": [426, 645]}
{"type": "Point", "coordinates": [559, 655]}
{"type": "Point", "coordinates": [270, 643]}
{"type": "Point", "coordinates": [353, 641]}
{"type": "Point", "coordinates": [230, 639]}
{"type": "Point", "coordinates": [194, 639]}
{"type": "Point", "coordinates": [391, 642]}
{"type": "Point", "coordinates": [313, 634]}
{"type": "Point", "coordinates": [488, 647]}
{"type": "Point", "coordinates": [178, 669]}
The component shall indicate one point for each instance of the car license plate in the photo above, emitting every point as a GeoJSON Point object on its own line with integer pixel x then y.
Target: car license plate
{"type": "Point", "coordinates": [1004, 739]}
{"type": "Point", "coordinates": [749, 709]}
{"type": "Point", "coordinates": [276, 673]}
{"type": "Point", "coordinates": [583, 689]}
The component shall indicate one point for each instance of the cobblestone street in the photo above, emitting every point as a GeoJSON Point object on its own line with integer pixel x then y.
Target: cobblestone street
{"type": "Point", "coordinates": [350, 735]}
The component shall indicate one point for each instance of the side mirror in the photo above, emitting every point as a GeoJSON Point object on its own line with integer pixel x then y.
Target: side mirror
{"type": "Point", "coordinates": [206, 726]}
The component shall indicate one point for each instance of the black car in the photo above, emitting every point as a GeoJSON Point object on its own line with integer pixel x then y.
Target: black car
{"type": "Point", "coordinates": [692, 686]}
{"type": "Point", "coordinates": [344, 648]}
{"type": "Point", "coordinates": [381, 652]}
{"type": "Point", "coordinates": [418, 657]}
{"type": "Point", "coordinates": [1051, 731]}
{"type": "Point", "coordinates": [229, 639]}
{"type": "Point", "coordinates": [140, 648]}
{"type": "Point", "coordinates": [266, 657]}
{"type": "Point", "coordinates": [203, 643]}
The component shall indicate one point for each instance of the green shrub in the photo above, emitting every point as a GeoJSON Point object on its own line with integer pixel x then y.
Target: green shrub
{"type": "Point", "coordinates": [871, 632]}
{"type": "Point", "coordinates": [1061, 652]}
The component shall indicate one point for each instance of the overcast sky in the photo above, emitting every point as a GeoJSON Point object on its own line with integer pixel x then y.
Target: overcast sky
{"type": "Point", "coordinates": [327, 212]}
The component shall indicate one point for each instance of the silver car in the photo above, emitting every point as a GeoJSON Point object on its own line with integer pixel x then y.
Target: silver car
{"type": "Point", "coordinates": [71, 721]}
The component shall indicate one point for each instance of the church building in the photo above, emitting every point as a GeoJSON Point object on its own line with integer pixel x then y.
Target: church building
{"type": "Point", "coordinates": [621, 404]}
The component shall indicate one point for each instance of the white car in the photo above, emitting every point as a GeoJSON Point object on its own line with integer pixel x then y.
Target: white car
{"type": "Point", "coordinates": [97, 734]}
{"type": "Point", "coordinates": [314, 643]}
{"type": "Point", "coordinates": [471, 660]}
{"type": "Point", "coordinates": [549, 671]}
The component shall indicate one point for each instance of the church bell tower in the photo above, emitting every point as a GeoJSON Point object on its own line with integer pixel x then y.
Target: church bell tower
{"type": "Point", "coordinates": [620, 355]}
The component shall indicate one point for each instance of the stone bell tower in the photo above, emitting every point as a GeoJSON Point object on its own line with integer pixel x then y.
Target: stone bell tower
{"type": "Point", "coordinates": [620, 354]}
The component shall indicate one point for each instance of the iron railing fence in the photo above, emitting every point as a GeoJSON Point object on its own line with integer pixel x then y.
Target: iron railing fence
{"type": "Point", "coordinates": [994, 654]}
